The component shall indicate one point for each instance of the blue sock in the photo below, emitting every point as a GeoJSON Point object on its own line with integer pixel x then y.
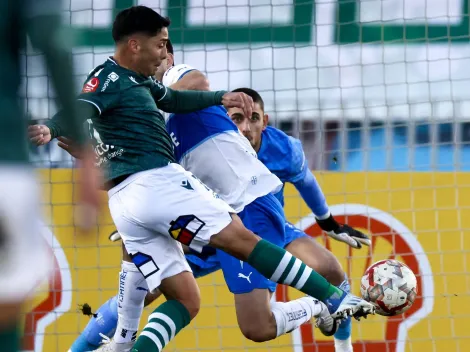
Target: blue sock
{"type": "Point", "coordinates": [105, 323]}
{"type": "Point", "coordinates": [344, 330]}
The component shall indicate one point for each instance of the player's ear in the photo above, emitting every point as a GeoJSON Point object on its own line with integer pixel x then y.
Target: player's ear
{"type": "Point", "coordinates": [170, 60]}
{"type": "Point", "coordinates": [265, 121]}
{"type": "Point", "coordinates": [133, 45]}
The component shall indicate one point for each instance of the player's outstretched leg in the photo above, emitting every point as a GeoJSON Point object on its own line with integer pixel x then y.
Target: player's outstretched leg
{"type": "Point", "coordinates": [325, 263]}
{"type": "Point", "coordinates": [280, 266]}
{"type": "Point", "coordinates": [104, 324]}
{"type": "Point", "coordinates": [169, 318]}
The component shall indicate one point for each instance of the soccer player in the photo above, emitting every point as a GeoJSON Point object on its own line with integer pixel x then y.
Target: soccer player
{"type": "Point", "coordinates": [284, 156]}
{"type": "Point", "coordinates": [24, 260]}
{"type": "Point", "coordinates": [222, 160]}
{"type": "Point", "coordinates": [153, 201]}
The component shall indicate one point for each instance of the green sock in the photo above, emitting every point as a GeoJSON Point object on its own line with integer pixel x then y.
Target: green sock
{"type": "Point", "coordinates": [280, 266]}
{"type": "Point", "coordinates": [10, 339]}
{"type": "Point", "coordinates": [163, 325]}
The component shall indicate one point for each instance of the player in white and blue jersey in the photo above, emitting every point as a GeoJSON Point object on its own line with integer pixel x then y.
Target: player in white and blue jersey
{"type": "Point", "coordinates": [209, 144]}
{"type": "Point", "coordinates": [284, 156]}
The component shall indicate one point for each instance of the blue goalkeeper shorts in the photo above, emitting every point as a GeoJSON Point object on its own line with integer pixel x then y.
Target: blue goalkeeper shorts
{"type": "Point", "coordinates": [265, 217]}
{"type": "Point", "coordinates": [293, 233]}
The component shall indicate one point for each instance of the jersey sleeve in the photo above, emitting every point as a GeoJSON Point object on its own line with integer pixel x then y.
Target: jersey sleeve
{"type": "Point", "coordinates": [298, 163]}
{"type": "Point", "coordinates": [101, 89]}
{"type": "Point", "coordinates": [159, 91]}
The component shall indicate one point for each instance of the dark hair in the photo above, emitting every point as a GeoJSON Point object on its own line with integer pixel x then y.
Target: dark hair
{"type": "Point", "coordinates": [169, 47]}
{"type": "Point", "coordinates": [253, 94]}
{"type": "Point", "coordinates": [138, 19]}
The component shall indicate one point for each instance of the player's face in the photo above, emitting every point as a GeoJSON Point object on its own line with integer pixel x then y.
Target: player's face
{"type": "Point", "coordinates": [151, 51]}
{"type": "Point", "coordinates": [165, 65]}
{"type": "Point", "coordinates": [251, 126]}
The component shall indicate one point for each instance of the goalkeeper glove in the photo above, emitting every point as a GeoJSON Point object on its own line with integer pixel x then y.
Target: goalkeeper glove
{"type": "Point", "coordinates": [343, 232]}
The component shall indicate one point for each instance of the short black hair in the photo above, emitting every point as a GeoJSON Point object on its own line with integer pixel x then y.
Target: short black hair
{"type": "Point", "coordinates": [169, 47]}
{"type": "Point", "coordinates": [253, 94]}
{"type": "Point", "coordinates": [138, 19]}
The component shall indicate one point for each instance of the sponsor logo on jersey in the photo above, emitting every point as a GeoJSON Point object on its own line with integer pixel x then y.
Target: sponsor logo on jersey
{"type": "Point", "coordinates": [185, 228]}
{"type": "Point", "coordinates": [91, 86]}
{"type": "Point", "coordinates": [111, 77]}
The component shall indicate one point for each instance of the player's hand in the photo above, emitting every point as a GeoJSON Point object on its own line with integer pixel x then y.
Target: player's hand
{"type": "Point", "coordinates": [90, 180]}
{"type": "Point", "coordinates": [343, 233]}
{"type": "Point", "coordinates": [238, 100]}
{"type": "Point", "coordinates": [70, 147]}
{"type": "Point", "coordinates": [39, 134]}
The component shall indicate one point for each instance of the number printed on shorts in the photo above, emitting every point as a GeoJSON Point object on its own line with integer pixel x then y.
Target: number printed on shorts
{"type": "Point", "coordinates": [185, 228]}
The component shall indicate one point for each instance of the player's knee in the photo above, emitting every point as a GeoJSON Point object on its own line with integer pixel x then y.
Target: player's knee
{"type": "Point", "coordinates": [235, 239]}
{"type": "Point", "coordinates": [184, 289]}
{"type": "Point", "coordinates": [334, 271]}
{"type": "Point", "coordinates": [192, 304]}
{"type": "Point", "coordinates": [192, 301]}
{"type": "Point", "coordinates": [151, 297]}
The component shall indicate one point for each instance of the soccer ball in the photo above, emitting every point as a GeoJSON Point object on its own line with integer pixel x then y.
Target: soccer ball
{"type": "Point", "coordinates": [390, 286]}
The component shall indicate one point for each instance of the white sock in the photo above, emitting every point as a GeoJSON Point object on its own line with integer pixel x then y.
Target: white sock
{"type": "Point", "coordinates": [343, 345]}
{"type": "Point", "coordinates": [132, 291]}
{"type": "Point", "coordinates": [290, 315]}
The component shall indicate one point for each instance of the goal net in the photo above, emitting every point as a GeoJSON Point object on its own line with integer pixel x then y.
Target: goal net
{"type": "Point", "coordinates": [378, 93]}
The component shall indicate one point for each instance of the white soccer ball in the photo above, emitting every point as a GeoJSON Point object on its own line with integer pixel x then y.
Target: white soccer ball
{"type": "Point", "coordinates": [390, 286]}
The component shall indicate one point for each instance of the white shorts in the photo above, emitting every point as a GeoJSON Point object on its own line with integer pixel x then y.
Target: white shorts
{"type": "Point", "coordinates": [25, 260]}
{"type": "Point", "coordinates": [156, 211]}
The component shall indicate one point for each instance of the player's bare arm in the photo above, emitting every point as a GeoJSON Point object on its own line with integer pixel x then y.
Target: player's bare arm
{"type": "Point", "coordinates": [193, 80]}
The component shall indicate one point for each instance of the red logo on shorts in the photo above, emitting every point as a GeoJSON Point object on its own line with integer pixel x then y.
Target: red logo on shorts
{"type": "Point", "coordinates": [91, 85]}
{"type": "Point", "coordinates": [185, 228]}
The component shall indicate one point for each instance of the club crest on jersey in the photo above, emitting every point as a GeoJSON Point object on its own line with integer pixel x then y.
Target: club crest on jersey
{"type": "Point", "coordinates": [185, 228]}
{"type": "Point", "coordinates": [91, 85]}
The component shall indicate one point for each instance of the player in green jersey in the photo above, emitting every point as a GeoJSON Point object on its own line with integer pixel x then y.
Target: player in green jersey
{"type": "Point", "coordinates": [24, 261]}
{"type": "Point", "coordinates": [154, 201]}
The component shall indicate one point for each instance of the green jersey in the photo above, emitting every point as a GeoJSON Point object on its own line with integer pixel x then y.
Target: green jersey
{"type": "Point", "coordinates": [41, 20]}
{"type": "Point", "coordinates": [128, 129]}
{"type": "Point", "coordinates": [129, 134]}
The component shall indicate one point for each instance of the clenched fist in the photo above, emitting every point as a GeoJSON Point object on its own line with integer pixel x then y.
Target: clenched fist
{"type": "Point", "coordinates": [39, 134]}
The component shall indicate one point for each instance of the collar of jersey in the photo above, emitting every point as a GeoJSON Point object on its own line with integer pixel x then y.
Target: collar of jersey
{"type": "Point", "coordinates": [142, 78]}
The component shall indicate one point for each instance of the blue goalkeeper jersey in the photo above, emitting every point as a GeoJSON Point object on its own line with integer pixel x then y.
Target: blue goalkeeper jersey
{"type": "Point", "coordinates": [283, 156]}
